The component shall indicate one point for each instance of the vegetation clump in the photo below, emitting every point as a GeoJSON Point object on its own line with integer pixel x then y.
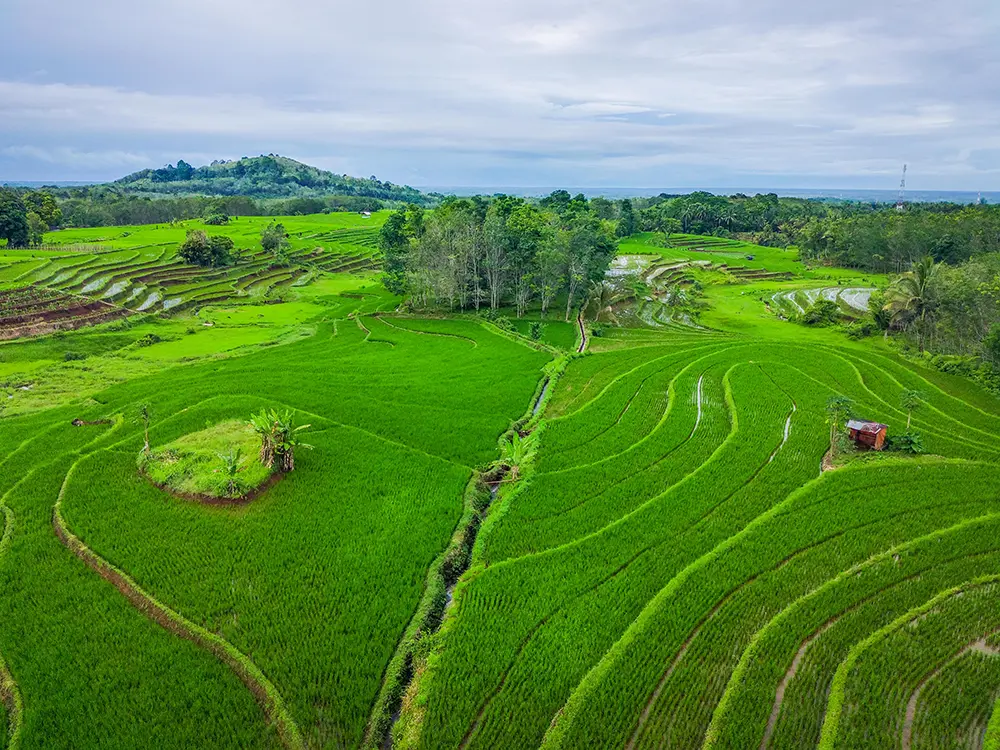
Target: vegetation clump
{"type": "Point", "coordinates": [218, 461]}
{"type": "Point", "coordinates": [201, 250]}
{"type": "Point", "coordinates": [279, 438]}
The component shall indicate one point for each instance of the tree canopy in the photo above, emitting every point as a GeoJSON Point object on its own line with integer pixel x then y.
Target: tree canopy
{"type": "Point", "coordinates": [473, 252]}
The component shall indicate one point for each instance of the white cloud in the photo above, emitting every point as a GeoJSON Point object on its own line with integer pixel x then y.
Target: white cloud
{"type": "Point", "coordinates": [553, 90]}
{"type": "Point", "coordinates": [73, 158]}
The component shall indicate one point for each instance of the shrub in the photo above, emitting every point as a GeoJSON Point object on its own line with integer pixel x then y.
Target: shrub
{"type": "Point", "coordinates": [597, 330]}
{"type": "Point", "coordinates": [908, 442]}
{"type": "Point", "coordinates": [73, 356]}
{"type": "Point", "coordinates": [823, 313]}
{"type": "Point", "coordinates": [148, 340]}
{"type": "Point", "coordinates": [535, 330]}
{"type": "Point", "coordinates": [861, 329]}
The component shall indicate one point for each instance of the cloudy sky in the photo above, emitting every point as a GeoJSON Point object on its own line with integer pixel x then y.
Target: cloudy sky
{"type": "Point", "coordinates": [637, 93]}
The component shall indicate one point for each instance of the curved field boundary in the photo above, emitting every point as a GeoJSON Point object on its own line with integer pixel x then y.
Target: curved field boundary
{"type": "Point", "coordinates": [963, 427]}
{"type": "Point", "coordinates": [385, 319]}
{"type": "Point", "coordinates": [906, 740]}
{"type": "Point", "coordinates": [262, 688]}
{"type": "Point", "coordinates": [750, 653]}
{"type": "Point", "coordinates": [682, 651]}
{"type": "Point", "coordinates": [577, 701]}
{"type": "Point", "coordinates": [715, 349]}
{"type": "Point", "coordinates": [838, 690]}
{"type": "Point", "coordinates": [621, 520]}
{"type": "Point", "coordinates": [553, 738]}
{"type": "Point", "coordinates": [10, 696]}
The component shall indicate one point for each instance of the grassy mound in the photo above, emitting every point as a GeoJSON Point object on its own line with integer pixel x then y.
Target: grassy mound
{"type": "Point", "coordinates": [219, 461]}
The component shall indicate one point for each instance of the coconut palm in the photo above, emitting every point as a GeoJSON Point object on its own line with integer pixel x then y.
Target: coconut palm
{"type": "Point", "coordinates": [601, 301]}
{"type": "Point", "coordinates": [910, 298]}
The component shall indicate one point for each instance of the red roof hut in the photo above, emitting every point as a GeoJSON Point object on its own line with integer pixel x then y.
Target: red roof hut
{"type": "Point", "coordinates": [868, 434]}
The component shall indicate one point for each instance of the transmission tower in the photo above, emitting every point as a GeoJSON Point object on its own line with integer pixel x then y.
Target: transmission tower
{"type": "Point", "coordinates": [900, 206]}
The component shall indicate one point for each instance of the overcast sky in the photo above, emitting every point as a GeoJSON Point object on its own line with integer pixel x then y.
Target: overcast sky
{"type": "Point", "coordinates": [641, 93]}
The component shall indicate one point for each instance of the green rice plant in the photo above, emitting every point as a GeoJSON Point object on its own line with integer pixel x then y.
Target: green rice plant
{"type": "Point", "coordinates": [891, 662]}
{"type": "Point", "coordinates": [954, 705]}
{"type": "Point", "coordinates": [267, 577]}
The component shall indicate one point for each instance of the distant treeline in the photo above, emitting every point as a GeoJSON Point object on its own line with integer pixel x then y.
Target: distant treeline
{"type": "Point", "coordinates": [499, 251]}
{"type": "Point", "coordinates": [872, 236]}
{"type": "Point", "coordinates": [103, 205]}
{"type": "Point", "coordinates": [890, 241]}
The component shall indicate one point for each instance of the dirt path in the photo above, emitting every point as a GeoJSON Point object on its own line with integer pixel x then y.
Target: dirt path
{"type": "Point", "coordinates": [583, 334]}
{"type": "Point", "coordinates": [251, 676]}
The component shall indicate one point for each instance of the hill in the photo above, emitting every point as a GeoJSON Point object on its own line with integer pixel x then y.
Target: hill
{"type": "Point", "coordinates": [261, 177]}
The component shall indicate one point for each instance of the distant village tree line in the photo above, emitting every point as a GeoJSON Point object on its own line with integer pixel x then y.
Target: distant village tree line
{"type": "Point", "coordinates": [473, 253]}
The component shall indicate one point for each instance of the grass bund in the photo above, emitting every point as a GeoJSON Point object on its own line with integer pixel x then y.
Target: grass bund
{"type": "Point", "coordinates": [671, 568]}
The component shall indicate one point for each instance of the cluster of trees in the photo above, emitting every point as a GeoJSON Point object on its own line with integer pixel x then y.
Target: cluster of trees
{"type": "Point", "coordinates": [101, 205]}
{"type": "Point", "coordinates": [24, 218]}
{"type": "Point", "coordinates": [494, 252]}
{"type": "Point", "coordinates": [891, 241]}
{"type": "Point", "coordinates": [947, 309]}
{"type": "Point", "coordinates": [874, 236]}
{"type": "Point", "coordinates": [201, 250]}
{"type": "Point", "coordinates": [215, 251]}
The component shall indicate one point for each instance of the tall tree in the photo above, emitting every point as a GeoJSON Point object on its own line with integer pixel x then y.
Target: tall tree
{"type": "Point", "coordinates": [395, 247]}
{"type": "Point", "coordinates": [529, 232]}
{"type": "Point", "coordinates": [626, 222]}
{"type": "Point", "coordinates": [838, 410]}
{"type": "Point", "coordinates": [36, 229]}
{"type": "Point", "coordinates": [13, 219]}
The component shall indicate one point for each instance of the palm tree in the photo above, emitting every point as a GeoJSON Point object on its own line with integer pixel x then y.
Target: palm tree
{"type": "Point", "coordinates": [910, 400]}
{"type": "Point", "coordinates": [911, 297]}
{"type": "Point", "coordinates": [516, 453]}
{"type": "Point", "coordinates": [601, 301]}
{"type": "Point", "coordinates": [278, 438]}
{"type": "Point", "coordinates": [263, 425]}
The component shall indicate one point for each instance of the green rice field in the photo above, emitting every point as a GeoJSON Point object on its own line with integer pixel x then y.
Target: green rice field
{"type": "Point", "coordinates": [677, 565]}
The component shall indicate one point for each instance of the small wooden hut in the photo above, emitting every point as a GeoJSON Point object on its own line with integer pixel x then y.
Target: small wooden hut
{"type": "Point", "coordinates": [867, 434]}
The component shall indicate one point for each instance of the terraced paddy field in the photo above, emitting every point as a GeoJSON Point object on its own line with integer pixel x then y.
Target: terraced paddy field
{"type": "Point", "coordinates": [84, 277]}
{"type": "Point", "coordinates": [254, 625]}
{"type": "Point", "coordinates": [678, 572]}
{"type": "Point", "coordinates": [672, 568]}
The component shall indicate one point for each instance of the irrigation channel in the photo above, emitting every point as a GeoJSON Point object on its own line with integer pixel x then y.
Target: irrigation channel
{"type": "Point", "coordinates": [492, 482]}
{"type": "Point", "coordinates": [433, 621]}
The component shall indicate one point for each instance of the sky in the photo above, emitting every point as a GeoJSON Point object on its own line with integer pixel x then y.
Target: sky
{"type": "Point", "coordinates": [633, 93]}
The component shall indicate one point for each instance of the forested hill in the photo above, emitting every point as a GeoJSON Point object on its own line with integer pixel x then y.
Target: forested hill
{"type": "Point", "coordinates": [261, 177]}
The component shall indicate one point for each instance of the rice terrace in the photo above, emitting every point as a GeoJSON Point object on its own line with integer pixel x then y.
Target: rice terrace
{"type": "Point", "coordinates": [498, 473]}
